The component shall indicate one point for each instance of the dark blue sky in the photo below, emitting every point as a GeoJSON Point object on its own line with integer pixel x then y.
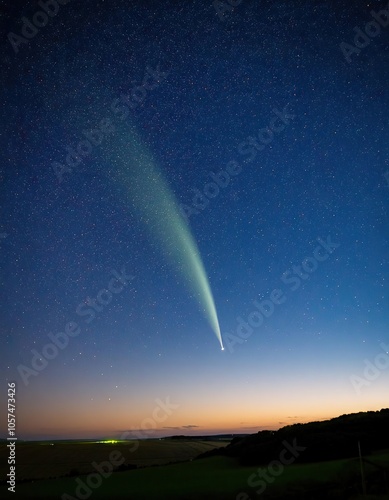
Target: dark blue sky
{"type": "Point", "coordinates": [198, 89]}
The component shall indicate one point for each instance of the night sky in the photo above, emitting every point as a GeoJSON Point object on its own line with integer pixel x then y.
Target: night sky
{"type": "Point", "coordinates": [260, 97]}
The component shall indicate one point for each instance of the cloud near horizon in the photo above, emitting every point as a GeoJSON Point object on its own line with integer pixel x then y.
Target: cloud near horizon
{"type": "Point", "coordinates": [182, 427]}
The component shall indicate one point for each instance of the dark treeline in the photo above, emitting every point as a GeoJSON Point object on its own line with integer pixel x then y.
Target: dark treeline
{"type": "Point", "coordinates": [213, 437]}
{"type": "Point", "coordinates": [328, 440]}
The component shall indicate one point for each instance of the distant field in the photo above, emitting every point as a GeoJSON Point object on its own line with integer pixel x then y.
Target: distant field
{"type": "Point", "coordinates": [37, 460]}
{"type": "Point", "coordinates": [218, 478]}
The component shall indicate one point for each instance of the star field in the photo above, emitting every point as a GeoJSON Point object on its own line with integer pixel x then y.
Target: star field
{"type": "Point", "coordinates": [269, 139]}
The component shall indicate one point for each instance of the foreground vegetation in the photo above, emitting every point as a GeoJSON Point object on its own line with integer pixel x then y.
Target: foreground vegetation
{"type": "Point", "coordinates": [332, 439]}
{"type": "Point", "coordinates": [38, 460]}
{"type": "Point", "coordinates": [223, 478]}
{"type": "Point", "coordinates": [314, 461]}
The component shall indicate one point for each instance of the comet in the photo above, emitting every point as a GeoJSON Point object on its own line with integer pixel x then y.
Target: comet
{"type": "Point", "coordinates": [137, 173]}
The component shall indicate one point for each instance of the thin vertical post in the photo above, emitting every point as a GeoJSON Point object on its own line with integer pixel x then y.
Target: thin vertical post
{"type": "Point", "coordinates": [362, 471]}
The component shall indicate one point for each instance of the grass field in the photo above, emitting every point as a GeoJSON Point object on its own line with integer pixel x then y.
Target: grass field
{"type": "Point", "coordinates": [215, 478]}
{"type": "Point", "coordinates": [37, 460]}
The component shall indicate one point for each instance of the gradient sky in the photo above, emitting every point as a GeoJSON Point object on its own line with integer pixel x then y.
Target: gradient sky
{"type": "Point", "coordinates": [214, 82]}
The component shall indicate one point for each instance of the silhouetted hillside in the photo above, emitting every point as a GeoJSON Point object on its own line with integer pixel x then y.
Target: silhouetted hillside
{"type": "Point", "coordinates": [327, 440]}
